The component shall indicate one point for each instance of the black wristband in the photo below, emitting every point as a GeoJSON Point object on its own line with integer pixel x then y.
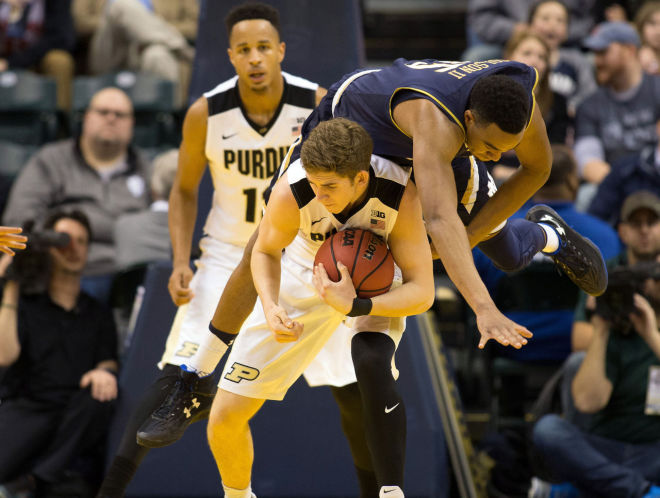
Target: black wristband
{"type": "Point", "coordinates": [361, 306]}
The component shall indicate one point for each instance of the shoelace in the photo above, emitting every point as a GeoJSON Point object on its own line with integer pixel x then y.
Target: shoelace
{"type": "Point", "coordinates": [168, 407]}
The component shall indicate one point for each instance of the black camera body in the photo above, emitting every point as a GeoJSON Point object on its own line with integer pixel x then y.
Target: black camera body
{"type": "Point", "coordinates": [616, 303]}
{"type": "Point", "coordinates": [31, 266]}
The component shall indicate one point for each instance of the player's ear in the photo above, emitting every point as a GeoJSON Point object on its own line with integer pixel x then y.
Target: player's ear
{"type": "Point", "coordinates": [282, 51]}
{"type": "Point", "coordinates": [231, 56]}
{"type": "Point", "coordinates": [363, 177]}
{"type": "Point", "coordinates": [468, 117]}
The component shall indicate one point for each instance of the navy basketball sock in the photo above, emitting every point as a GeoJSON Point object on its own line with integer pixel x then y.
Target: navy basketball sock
{"type": "Point", "coordinates": [513, 247]}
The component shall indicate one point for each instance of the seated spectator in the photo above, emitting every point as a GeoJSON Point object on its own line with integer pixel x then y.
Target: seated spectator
{"type": "Point", "coordinates": [619, 118]}
{"type": "Point", "coordinates": [647, 21]}
{"type": "Point", "coordinates": [629, 174]}
{"type": "Point", "coordinates": [98, 172]}
{"type": "Point", "coordinates": [144, 236]}
{"type": "Point", "coordinates": [619, 454]}
{"type": "Point", "coordinates": [639, 231]}
{"type": "Point", "coordinates": [571, 73]}
{"type": "Point", "coordinates": [38, 34]}
{"type": "Point", "coordinates": [154, 37]}
{"type": "Point", "coordinates": [551, 326]}
{"type": "Point", "coordinates": [491, 23]}
{"type": "Point", "coordinates": [531, 49]}
{"type": "Point", "coordinates": [61, 349]}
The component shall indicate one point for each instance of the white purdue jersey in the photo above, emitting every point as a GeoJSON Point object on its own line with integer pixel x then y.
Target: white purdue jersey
{"type": "Point", "coordinates": [378, 213]}
{"type": "Point", "coordinates": [244, 156]}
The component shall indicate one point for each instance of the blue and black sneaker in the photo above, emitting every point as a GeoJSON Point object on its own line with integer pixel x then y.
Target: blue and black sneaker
{"type": "Point", "coordinates": [577, 256]}
{"type": "Point", "coordinates": [189, 400]}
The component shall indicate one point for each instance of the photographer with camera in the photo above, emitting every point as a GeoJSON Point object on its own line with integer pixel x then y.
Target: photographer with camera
{"type": "Point", "coordinates": [618, 455]}
{"type": "Point", "coordinates": [61, 349]}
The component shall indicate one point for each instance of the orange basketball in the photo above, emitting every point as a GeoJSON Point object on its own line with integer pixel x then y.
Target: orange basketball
{"type": "Point", "coordinates": [366, 256]}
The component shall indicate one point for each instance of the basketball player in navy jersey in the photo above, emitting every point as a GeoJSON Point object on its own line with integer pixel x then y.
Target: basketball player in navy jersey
{"type": "Point", "coordinates": [425, 113]}
{"type": "Point", "coordinates": [243, 129]}
{"type": "Point", "coordinates": [335, 184]}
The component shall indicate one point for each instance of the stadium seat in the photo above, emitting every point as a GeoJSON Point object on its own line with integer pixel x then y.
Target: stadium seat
{"type": "Point", "coordinates": [28, 113]}
{"type": "Point", "coordinates": [153, 103]}
{"type": "Point", "coordinates": [13, 157]}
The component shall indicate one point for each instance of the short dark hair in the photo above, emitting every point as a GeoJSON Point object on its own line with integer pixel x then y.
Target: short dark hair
{"type": "Point", "coordinates": [499, 99]}
{"type": "Point", "coordinates": [74, 214]}
{"type": "Point", "coordinates": [337, 145]}
{"type": "Point", "coordinates": [252, 10]}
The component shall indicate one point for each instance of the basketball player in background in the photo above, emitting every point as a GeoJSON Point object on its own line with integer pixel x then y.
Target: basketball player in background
{"type": "Point", "coordinates": [242, 128]}
{"type": "Point", "coordinates": [335, 184]}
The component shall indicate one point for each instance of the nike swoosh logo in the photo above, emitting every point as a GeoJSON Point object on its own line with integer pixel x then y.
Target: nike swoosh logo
{"type": "Point", "coordinates": [225, 137]}
{"type": "Point", "coordinates": [386, 491]}
{"type": "Point", "coordinates": [316, 221]}
{"type": "Point", "coordinates": [388, 410]}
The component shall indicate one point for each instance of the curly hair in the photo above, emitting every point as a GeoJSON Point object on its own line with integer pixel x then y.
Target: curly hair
{"type": "Point", "coordinates": [252, 10]}
{"type": "Point", "coordinates": [499, 99]}
{"type": "Point", "coordinates": [337, 145]}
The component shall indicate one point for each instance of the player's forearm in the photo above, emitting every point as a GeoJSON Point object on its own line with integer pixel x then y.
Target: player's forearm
{"type": "Point", "coordinates": [507, 200]}
{"type": "Point", "coordinates": [266, 271]}
{"type": "Point", "coordinates": [451, 242]}
{"type": "Point", "coordinates": [182, 214]}
{"type": "Point", "coordinates": [409, 299]}
{"type": "Point", "coordinates": [9, 344]}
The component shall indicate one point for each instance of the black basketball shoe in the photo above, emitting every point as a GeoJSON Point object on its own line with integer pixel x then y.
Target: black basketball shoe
{"type": "Point", "coordinates": [189, 401]}
{"type": "Point", "coordinates": [577, 256]}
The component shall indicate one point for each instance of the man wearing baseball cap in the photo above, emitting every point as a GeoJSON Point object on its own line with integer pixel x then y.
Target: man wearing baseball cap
{"type": "Point", "coordinates": [619, 118]}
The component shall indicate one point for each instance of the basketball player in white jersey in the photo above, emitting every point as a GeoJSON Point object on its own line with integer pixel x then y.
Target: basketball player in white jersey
{"type": "Point", "coordinates": [335, 184]}
{"type": "Point", "coordinates": [243, 129]}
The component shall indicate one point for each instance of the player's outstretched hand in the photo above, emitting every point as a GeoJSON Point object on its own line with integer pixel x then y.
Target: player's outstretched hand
{"type": "Point", "coordinates": [284, 329]}
{"type": "Point", "coordinates": [340, 294]}
{"type": "Point", "coordinates": [493, 324]}
{"type": "Point", "coordinates": [179, 284]}
{"type": "Point", "coordinates": [9, 239]}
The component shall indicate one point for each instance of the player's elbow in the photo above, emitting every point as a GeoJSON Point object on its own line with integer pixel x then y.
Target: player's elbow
{"type": "Point", "coordinates": [426, 296]}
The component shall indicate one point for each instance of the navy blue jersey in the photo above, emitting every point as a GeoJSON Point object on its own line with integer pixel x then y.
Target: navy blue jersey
{"type": "Point", "coordinates": [368, 97]}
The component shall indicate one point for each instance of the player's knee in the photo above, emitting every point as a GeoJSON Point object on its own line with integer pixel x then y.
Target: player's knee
{"type": "Point", "coordinates": [372, 355]}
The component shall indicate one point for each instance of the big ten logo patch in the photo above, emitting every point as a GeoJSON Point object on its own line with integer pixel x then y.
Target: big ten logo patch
{"type": "Point", "coordinates": [238, 372]}
{"type": "Point", "coordinates": [187, 349]}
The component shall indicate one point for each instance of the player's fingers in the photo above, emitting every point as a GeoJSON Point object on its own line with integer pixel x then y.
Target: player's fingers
{"type": "Point", "coordinates": [6, 250]}
{"type": "Point", "coordinates": [343, 271]}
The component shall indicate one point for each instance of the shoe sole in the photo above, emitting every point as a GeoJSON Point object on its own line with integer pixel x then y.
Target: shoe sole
{"type": "Point", "coordinates": [149, 442]}
{"type": "Point", "coordinates": [595, 252]}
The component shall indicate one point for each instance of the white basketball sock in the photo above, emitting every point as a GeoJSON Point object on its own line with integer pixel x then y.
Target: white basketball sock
{"type": "Point", "coordinates": [551, 238]}
{"type": "Point", "coordinates": [239, 493]}
{"type": "Point", "coordinates": [391, 492]}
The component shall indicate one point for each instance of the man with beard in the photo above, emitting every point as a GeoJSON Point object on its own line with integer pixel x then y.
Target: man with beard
{"type": "Point", "coordinates": [98, 172]}
{"type": "Point", "coordinates": [619, 118]}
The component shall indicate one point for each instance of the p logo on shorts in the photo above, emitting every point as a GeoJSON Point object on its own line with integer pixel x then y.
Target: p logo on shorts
{"type": "Point", "coordinates": [239, 372]}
